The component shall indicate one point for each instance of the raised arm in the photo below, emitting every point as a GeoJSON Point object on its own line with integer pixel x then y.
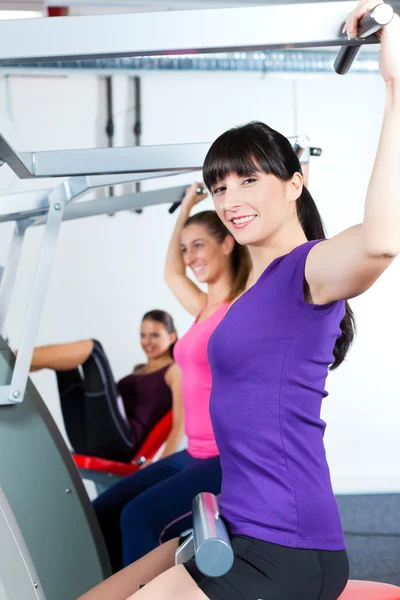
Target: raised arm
{"type": "Point", "coordinates": [173, 378]}
{"type": "Point", "coordinates": [187, 292]}
{"type": "Point", "coordinates": [349, 263]}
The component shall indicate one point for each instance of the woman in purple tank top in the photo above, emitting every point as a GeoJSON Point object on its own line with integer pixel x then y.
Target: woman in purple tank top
{"type": "Point", "coordinates": [270, 357]}
{"type": "Point", "coordinates": [111, 420]}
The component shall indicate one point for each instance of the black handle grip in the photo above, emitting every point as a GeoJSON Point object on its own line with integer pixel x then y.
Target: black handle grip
{"type": "Point", "coordinates": [315, 151]}
{"type": "Point", "coordinates": [372, 22]}
{"type": "Point", "coordinates": [175, 205]}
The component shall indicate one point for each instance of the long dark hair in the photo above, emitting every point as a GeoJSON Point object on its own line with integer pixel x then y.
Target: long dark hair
{"type": "Point", "coordinates": [161, 316]}
{"type": "Point", "coordinates": [257, 147]}
{"type": "Point", "coordinates": [239, 257]}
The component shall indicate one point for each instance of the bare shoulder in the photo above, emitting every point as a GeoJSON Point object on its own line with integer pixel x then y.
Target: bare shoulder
{"type": "Point", "coordinates": [173, 374]}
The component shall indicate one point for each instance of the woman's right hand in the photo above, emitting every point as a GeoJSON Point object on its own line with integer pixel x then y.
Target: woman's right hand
{"type": "Point", "coordinates": [389, 56]}
{"type": "Point", "coordinates": [192, 196]}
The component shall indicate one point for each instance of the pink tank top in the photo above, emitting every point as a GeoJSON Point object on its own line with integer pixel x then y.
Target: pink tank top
{"type": "Point", "coordinates": [190, 352]}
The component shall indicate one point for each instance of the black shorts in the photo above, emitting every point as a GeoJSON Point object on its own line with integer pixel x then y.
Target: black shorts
{"type": "Point", "coordinates": [265, 571]}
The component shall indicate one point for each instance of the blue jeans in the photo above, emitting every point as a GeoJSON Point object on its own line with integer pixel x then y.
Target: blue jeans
{"type": "Point", "coordinates": [143, 510]}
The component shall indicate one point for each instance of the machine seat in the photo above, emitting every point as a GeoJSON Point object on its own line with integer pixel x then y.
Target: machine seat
{"type": "Point", "coordinates": [92, 466]}
{"type": "Point", "coordinates": [370, 590]}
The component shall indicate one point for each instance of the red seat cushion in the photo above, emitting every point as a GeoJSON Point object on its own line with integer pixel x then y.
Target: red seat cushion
{"type": "Point", "coordinates": [149, 448]}
{"type": "Point", "coordinates": [92, 463]}
{"type": "Point", "coordinates": [369, 590]}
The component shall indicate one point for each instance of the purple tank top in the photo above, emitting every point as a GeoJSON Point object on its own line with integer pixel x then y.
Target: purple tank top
{"type": "Point", "coordinates": [269, 358]}
{"type": "Point", "coordinates": [147, 398]}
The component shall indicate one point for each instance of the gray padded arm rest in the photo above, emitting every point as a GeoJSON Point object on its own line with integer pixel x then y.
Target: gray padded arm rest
{"type": "Point", "coordinates": [210, 541]}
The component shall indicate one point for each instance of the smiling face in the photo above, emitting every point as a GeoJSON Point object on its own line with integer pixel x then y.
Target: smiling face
{"type": "Point", "coordinates": [256, 178]}
{"type": "Point", "coordinates": [155, 339]}
{"type": "Point", "coordinates": [254, 208]}
{"type": "Point", "coordinates": [203, 254]}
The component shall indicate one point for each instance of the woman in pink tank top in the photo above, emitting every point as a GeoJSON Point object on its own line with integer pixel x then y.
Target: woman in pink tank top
{"type": "Point", "coordinates": [191, 355]}
{"type": "Point", "coordinates": [146, 508]}
{"type": "Point", "coordinates": [201, 245]}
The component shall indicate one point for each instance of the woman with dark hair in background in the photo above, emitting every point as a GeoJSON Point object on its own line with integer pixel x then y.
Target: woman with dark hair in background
{"type": "Point", "coordinates": [145, 509]}
{"type": "Point", "coordinates": [108, 419]}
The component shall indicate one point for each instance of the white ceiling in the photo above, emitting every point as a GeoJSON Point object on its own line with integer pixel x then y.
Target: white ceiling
{"type": "Point", "coordinates": [161, 4]}
{"type": "Point", "coordinates": [121, 6]}
{"type": "Point", "coordinates": [91, 7]}
{"type": "Point", "coordinates": [94, 6]}
{"type": "Point", "coordinates": [110, 6]}
{"type": "Point", "coordinates": [169, 4]}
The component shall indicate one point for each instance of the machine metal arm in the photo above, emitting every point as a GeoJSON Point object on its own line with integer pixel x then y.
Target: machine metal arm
{"type": "Point", "coordinates": [27, 207]}
{"type": "Point", "coordinates": [171, 33]}
{"type": "Point", "coordinates": [53, 203]}
{"type": "Point", "coordinates": [137, 163]}
{"type": "Point", "coordinates": [145, 161]}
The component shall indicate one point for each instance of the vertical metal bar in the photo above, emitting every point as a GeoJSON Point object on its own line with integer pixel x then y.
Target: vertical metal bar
{"type": "Point", "coordinates": [14, 393]}
{"type": "Point", "coordinates": [110, 120]}
{"type": "Point", "coordinates": [137, 128]}
{"type": "Point", "coordinates": [10, 271]}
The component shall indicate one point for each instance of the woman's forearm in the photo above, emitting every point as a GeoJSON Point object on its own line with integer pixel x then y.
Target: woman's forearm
{"type": "Point", "coordinates": [174, 264]}
{"type": "Point", "coordinates": [173, 441]}
{"type": "Point", "coordinates": [381, 225]}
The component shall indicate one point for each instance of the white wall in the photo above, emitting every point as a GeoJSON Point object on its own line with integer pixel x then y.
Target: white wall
{"type": "Point", "coordinates": [108, 270]}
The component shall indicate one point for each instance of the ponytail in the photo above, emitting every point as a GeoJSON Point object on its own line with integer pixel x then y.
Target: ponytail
{"type": "Point", "coordinates": [314, 229]}
{"type": "Point", "coordinates": [241, 267]}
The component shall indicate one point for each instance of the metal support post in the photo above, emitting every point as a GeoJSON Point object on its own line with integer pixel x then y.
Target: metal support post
{"type": "Point", "coordinates": [10, 270]}
{"type": "Point", "coordinates": [14, 393]}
